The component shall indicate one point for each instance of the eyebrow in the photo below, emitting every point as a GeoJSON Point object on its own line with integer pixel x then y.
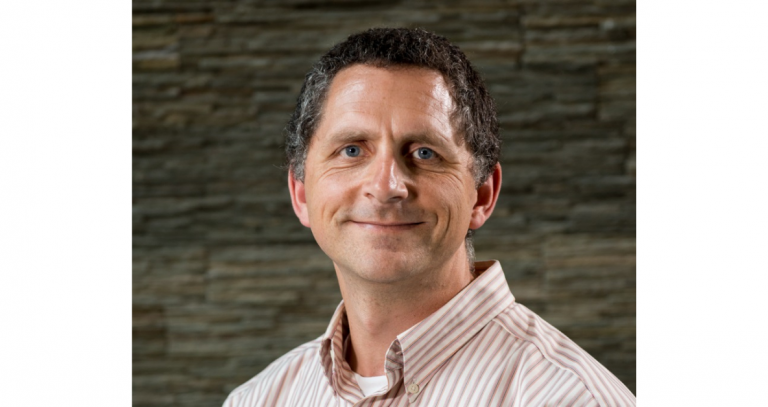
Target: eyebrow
{"type": "Point", "coordinates": [429, 138]}
{"type": "Point", "coordinates": [351, 135]}
{"type": "Point", "coordinates": [347, 136]}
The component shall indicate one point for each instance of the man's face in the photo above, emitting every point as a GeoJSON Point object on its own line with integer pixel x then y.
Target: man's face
{"type": "Point", "coordinates": [388, 189]}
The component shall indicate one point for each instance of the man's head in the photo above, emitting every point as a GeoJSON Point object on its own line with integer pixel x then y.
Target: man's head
{"type": "Point", "coordinates": [474, 115]}
{"type": "Point", "coordinates": [393, 152]}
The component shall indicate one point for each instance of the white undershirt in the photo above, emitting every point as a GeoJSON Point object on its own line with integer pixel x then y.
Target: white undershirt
{"type": "Point", "coordinates": [370, 385]}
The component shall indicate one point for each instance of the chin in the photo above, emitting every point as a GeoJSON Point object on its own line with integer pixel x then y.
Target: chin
{"type": "Point", "coordinates": [386, 267]}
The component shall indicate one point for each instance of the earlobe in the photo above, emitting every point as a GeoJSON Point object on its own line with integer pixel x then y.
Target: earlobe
{"type": "Point", "coordinates": [487, 195]}
{"type": "Point", "coordinates": [298, 199]}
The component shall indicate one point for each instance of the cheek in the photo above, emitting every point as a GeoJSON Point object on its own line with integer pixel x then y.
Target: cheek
{"type": "Point", "coordinates": [454, 202]}
{"type": "Point", "coordinates": [327, 196]}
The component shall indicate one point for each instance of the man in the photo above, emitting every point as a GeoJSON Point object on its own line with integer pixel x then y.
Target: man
{"type": "Point", "coordinates": [393, 161]}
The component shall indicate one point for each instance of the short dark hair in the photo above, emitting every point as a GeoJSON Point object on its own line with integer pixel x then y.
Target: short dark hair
{"type": "Point", "coordinates": [474, 113]}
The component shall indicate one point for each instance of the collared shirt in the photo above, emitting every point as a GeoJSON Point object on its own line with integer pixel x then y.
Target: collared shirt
{"type": "Point", "coordinates": [480, 349]}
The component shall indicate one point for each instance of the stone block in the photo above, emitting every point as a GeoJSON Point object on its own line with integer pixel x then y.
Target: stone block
{"type": "Point", "coordinates": [168, 289]}
{"type": "Point", "coordinates": [557, 247]}
{"type": "Point", "coordinates": [143, 398]}
{"type": "Point", "coordinates": [220, 320]}
{"type": "Point", "coordinates": [273, 260]}
{"type": "Point", "coordinates": [202, 345]}
{"type": "Point", "coordinates": [144, 40]}
{"type": "Point", "coordinates": [616, 109]}
{"type": "Point", "coordinates": [606, 187]}
{"type": "Point", "coordinates": [224, 293]}
{"type": "Point", "coordinates": [539, 21]}
{"type": "Point", "coordinates": [142, 20]}
{"type": "Point", "coordinates": [579, 54]}
{"type": "Point", "coordinates": [603, 217]}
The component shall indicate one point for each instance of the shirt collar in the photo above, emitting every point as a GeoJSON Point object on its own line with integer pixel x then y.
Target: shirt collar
{"type": "Point", "coordinates": [417, 353]}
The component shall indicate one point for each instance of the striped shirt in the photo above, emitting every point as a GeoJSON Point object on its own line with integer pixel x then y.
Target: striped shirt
{"type": "Point", "coordinates": [479, 349]}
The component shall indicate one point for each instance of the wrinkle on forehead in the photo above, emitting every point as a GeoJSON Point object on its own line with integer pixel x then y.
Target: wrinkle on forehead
{"type": "Point", "coordinates": [353, 85]}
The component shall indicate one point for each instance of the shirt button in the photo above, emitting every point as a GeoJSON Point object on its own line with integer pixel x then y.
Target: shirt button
{"type": "Point", "coordinates": [413, 388]}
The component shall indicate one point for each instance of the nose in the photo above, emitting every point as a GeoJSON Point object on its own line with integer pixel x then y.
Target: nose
{"type": "Point", "coordinates": [386, 180]}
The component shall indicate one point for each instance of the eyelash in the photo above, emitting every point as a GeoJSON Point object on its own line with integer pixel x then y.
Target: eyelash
{"type": "Point", "coordinates": [413, 154]}
{"type": "Point", "coordinates": [344, 150]}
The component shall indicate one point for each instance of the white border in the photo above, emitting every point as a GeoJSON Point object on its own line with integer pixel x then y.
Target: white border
{"type": "Point", "coordinates": [65, 174]}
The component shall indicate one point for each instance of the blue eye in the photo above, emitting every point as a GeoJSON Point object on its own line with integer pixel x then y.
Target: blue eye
{"type": "Point", "coordinates": [352, 151]}
{"type": "Point", "coordinates": [424, 153]}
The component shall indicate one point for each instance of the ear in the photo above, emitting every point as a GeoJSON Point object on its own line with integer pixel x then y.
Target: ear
{"type": "Point", "coordinates": [487, 195]}
{"type": "Point", "coordinates": [298, 198]}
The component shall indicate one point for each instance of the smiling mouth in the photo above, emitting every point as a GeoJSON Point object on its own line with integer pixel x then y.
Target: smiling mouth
{"type": "Point", "coordinates": [387, 226]}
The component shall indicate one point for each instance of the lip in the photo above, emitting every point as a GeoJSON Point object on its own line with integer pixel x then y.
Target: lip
{"type": "Point", "coordinates": [387, 226]}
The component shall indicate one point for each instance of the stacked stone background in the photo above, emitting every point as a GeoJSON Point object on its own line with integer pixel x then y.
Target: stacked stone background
{"type": "Point", "coordinates": [225, 278]}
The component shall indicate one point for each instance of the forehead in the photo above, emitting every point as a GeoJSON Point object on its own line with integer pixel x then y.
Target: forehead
{"type": "Point", "coordinates": [404, 98]}
{"type": "Point", "coordinates": [423, 84]}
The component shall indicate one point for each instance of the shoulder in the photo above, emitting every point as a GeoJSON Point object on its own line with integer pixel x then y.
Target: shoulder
{"type": "Point", "coordinates": [547, 352]}
{"type": "Point", "coordinates": [267, 386]}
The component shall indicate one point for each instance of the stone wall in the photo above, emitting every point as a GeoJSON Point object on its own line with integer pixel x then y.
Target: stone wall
{"type": "Point", "coordinates": [225, 278]}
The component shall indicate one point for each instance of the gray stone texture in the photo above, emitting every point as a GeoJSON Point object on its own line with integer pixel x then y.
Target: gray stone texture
{"type": "Point", "coordinates": [225, 279]}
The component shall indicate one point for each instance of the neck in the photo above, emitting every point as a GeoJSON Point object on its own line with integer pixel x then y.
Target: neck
{"type": "Point", "coordinates": [378, 312]}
